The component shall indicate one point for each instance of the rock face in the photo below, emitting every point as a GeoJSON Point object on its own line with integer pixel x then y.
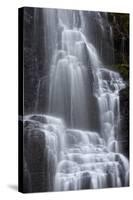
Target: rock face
{"type": "Point", "coordinates": [35, 156]}
{"type": "Point", "coordinates": [120, 25]}
{"type": "Point", "coordinates": [42, 144]}
{"type": "Point", "coordinates": [124, 110]}
{"type": "Point", "coordinates": [36, 60]}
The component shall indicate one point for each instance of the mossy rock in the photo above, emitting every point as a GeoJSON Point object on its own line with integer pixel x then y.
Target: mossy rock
{"type": "Point", "coordinates": [123, 69]}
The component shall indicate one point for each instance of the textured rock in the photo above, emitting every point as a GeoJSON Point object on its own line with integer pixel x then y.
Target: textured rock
{"type": "Point", "coordinates": [35, 154]}
{"type": "Point", "coordinates": [39, 118]}
{"type": "Point", "coordinates": [124, 110]}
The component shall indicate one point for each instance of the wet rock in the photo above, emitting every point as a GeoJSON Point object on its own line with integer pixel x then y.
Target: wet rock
{"type": "Point", "coordinates": [28, 125]}
{"type": "Point", "coordinates": [39, 118]}
{"type": "Point", "coordinates": [26, 179]}
{"type": "Point", "coordinates": [124, 123]}
{"type": "Point", "coordinates": [35, 154]}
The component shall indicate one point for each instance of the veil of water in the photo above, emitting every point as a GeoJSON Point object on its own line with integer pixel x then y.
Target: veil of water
{"type": "Point", "coordinates": [83, 158]}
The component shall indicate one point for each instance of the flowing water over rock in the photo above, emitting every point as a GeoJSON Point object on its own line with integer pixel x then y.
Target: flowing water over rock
{"type": "Point", "coordinates": [79, 157]}
{"type": "Point", "coordinates": [76, 159]}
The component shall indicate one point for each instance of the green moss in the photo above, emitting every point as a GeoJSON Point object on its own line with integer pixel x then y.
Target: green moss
{"type": "Point", "coordinates": [123, 69]}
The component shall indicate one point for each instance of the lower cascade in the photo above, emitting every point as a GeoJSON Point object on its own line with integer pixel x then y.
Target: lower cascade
{"type": "Point", "coordinates": [76, 142]}
{"type": "Point", "coordinates": [80, 159]}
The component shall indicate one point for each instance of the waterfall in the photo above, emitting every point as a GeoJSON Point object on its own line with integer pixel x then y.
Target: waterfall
{"type": "Point", "coordinates": [88, 157]}
{"type": "Point", "coordinates": [68, 77]}
{"type": "Point", "coordinates": [82, 157]}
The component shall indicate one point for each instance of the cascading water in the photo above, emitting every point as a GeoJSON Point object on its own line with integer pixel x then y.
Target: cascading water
{"type": "Point", "coordinates": [82, 158]}
{"type": "Point", "coordinates": [88, 160]}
